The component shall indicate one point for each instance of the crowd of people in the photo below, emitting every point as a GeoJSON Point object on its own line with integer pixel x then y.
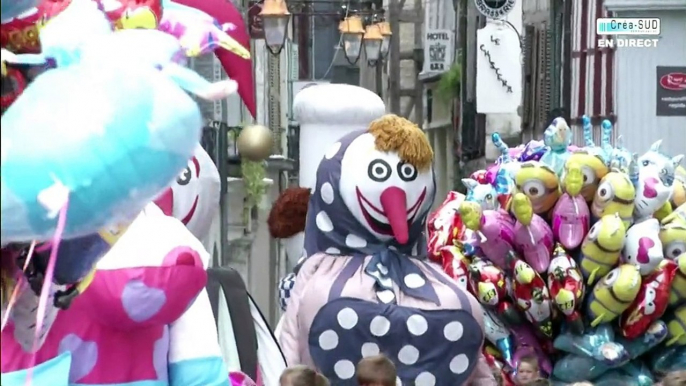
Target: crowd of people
{"type": "Point", "coordinates": [379, 370]}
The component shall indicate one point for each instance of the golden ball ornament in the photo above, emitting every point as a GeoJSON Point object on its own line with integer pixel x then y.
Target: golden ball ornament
{"type": "Point", "coordinates": [255, 143]}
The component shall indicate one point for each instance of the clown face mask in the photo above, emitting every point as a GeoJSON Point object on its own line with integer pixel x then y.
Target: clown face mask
{"type": "Point", "coordinates": [384, 193]}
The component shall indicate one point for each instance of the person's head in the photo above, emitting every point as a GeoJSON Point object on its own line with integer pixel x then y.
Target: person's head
{"type": "Point", "coordinates": [675, 378]}
{"type": "Point", "coordinates": [377, 370]}
{"type": "Point", "coordinates": [527, 370]}
{"type": "Point", "coordinates": [302, 376]}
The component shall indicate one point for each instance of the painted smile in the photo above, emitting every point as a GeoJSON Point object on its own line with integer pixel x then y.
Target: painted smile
{"type": "Point", "coordinates": [187, 218]}
{"type": "Point", "coordinates": [381, 227]}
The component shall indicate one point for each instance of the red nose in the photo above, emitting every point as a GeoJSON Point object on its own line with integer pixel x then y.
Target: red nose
{"type": "Point", "coordinates": [394, 204]}
{"type": "Point", "coordinates": [166, 202]}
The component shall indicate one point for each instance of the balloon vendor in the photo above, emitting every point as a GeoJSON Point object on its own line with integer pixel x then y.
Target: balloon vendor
{"type": "Point", "coordinates": [597, 236]}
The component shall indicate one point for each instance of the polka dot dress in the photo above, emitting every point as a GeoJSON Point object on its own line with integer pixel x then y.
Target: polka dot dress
{"type": "Point", "coordinates": [425, 345]}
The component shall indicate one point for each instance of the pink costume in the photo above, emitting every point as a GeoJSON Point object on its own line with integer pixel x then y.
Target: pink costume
{"type": "Point", "coordinates": [144, 318]}
{"type": "Point", "coordinates": [362, 290]}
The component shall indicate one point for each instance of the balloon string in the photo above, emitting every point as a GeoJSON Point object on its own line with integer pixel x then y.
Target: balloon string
{"type": "Point", "coordinates": [45, 291]}
{"type": "Point", "coordinates": [17, 288]}
{"type": "Point", "coordinates": [531, 235]}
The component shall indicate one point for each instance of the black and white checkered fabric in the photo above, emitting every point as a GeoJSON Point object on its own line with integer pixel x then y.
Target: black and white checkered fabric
{"type": "Point", "coordinates": [285, 286]}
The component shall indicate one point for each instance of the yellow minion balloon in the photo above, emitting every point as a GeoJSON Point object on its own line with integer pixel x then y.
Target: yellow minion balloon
{"type": "Point", "coordinates": [615, 194]}
{"type": "Point", "coordinates": [679, 194]}
{"type": "Point", "coordinates": [673, 237]}
{"type": "Point", "coordinates": [613, 294]}
{"type": "Point", "coordinates": [593, 169]}
{"type": "Point", "coordinates": [540, 183]}
{"type": "Point", "coordinates": [602, 247]}
{"type": "Point", "coordinates": [676, 327]}
{"type": "Point", "coordinates": [677, 294]}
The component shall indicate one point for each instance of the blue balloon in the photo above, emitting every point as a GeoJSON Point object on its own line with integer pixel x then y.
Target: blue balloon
{"type": "Point", "coordinates": [13, 8]}
{"type": "Point", "coordinates": [112, 135]}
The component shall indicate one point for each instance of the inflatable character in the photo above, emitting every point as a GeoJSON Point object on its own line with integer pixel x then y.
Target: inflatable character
{"type": "Point", "coordinates": [601, 247]}
{"type": "Point", "coordinates": [247, 343]}
{"type": "Point", "coordinates": [455, 264]}
{"type": "Point", "coordinates": [540, 183]}
{"type": "Point", "coordinates": [325, 114]}
{"type": "Point", "coordinates": [656, 180]}
{"type": "Point", "coordinates": [651, 301]}
{"type": "Point", "coordinates": [557, 137]}
{"type": "Point", "coordinates": [488, 284]}
{"type": "Point", "coordinates": [499, 336]}
{"type": "Point", "coordinates": [676, 326]}
{"type": "Point", "coordinates": [445, 226]}
{"type": "Point", "coordinates": [533, 236]}
{"type": "Point", "coordinates": [642, 246]}
{"type": "Point", "coordinates": [673, 239]}
{"type": "Point", "coordinates": [494, 230]}
{"type": "Point", "coordinates": [531, 295]}
{"type": "Point", "coordinates": [566, 287]}
{"type": "Point", "coordinates": [679, 192]}
{"type": "Point", "coordinates": [361, 280]}
{"type": "Point", "coordinates": [193, 198]}
{"type": "Point", "coordinates": [146, 306]}
{"type": "Point", "coordinates": [615, 194]}
{"type": "Point", "coordinates": [571, 215]}
{"type": "Point", "coordinates": [613, 294]}
{"type": "Point", "coordinates": [484, 194]}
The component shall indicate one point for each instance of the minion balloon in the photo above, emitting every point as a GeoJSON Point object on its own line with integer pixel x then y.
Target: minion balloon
{"type": "Point", "coordinates": [676, 327]}
{"type": "Point", "coordinates": [540, 183]}
{"type": "Point", "coordinates": [677, 294]}
{"type": "Point", "coordinates": [613, 294]}
{"type": "Point", "coordinates": [673, 238]}
{"type": "Point", "coordinates": [601, 248]}
{"type": "Point", "coordinates": [615, 194]}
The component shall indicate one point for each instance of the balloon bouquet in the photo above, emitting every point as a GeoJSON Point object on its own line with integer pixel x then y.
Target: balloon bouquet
{"type": "Point", "coordinates": [578, 256]}
{"type": "Point", "coordinates": [96, 122]}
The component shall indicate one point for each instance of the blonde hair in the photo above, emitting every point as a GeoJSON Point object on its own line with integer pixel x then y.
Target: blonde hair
{"type": "Point", "coordinates": [377, 369]}
{"type": "Point", "coordinates": [302, 376]}
{"type": "Point", "coordinates": [397, 134]}
{"type": "Point", "coordinates": [531, 360]}
{"type": "Point", "coordinates": [675, 378]}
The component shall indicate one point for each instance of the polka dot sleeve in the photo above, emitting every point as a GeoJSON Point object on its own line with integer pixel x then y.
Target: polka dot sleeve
{"type": "Point", "coordinates": [290, 336]}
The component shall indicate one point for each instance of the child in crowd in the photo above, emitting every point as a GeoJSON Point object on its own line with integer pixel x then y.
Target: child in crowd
{"type": "Point", "coordinates": [675, 378]}
{"type": "Point", "coordinates": [377, 370]}
{"type": "Point", "coordinates": [302, 376]}
{"type": "Point", "coordinates": [527, 371]}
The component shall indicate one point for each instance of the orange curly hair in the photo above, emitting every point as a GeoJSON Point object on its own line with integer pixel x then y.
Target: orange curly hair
{"type": "Point", "coordinates": [289, 212]}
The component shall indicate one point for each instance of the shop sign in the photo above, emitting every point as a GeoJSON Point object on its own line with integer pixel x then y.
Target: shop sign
{"type": "Point", "coordinates": [671, 91]}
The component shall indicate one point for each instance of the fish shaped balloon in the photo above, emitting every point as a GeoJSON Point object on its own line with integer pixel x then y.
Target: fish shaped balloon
{"type": "Point", "coordinates": [533, 236]}
{"type": "Point", "coordinates": [601, 248]}
{"type": "Point", "coordinates": [665, 359]}
{"type": "Point", "coordinates": [494, 228]}
{"type": "Point", "coordinates": [531, 294]}
{"type": "Point", "coordinates": [571, 215]}
{"type": "Point", "coordinates": [566, 286]}
{"type": "Point", "coordinates": [613, 294]}
{"type": "Point", "coordinates": [577, 368]}
{"type": "Point", "coordinates": [498, 334]}
{"type": "Point", "coordinates": [455, 264]}
{"type": "Point", "coordinates": [651, 301]}
{"type": "Point", "coordinates": [488, 284]}
{"type": "Point", "coordinates": [655, 334]}
{"type": "Point", "coordinates": [643, 247]}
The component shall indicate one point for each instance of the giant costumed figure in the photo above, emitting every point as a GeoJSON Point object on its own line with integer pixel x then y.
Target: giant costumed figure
{"type": "Point", "coordinates": [363, 289]}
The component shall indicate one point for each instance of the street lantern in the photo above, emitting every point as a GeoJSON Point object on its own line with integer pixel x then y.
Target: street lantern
{"type": "Point", "coordinates": [352, 33]}
{"type": "Point", "coordinates": [372, 44]}
{"type": "Point", "coordinates": [385, 29]}
{"type": "Point", "coordinates": [275, 18]}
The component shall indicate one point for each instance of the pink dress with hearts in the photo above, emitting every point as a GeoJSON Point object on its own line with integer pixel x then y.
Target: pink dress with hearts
{"type": "Point", "coordinates": [132, 324]}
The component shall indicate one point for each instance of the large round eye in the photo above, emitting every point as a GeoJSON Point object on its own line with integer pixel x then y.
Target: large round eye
{"type": "Point", "coordinates": [646, 163]}
{"type": "Point", "coordinates": [185, 177]}
{"type": "Point", "coordinates": [611, 277]}
{"type": "Point", "coordinates": [674, 249]}
{"type": "Point", "coordinates": [407, 172]}
{"type": "Point", "coordinates": [605, 191]}
{"type": "Point", "coordinates": [534, 188]}
{"type": "Point", "coordinates": [379, 170]}
{"type": "Point", "coordinates": [589, 175]}
{"type": "Point", "coordinates": [649, 305]}
{"type": "Point", "coordinates": [593, 233]}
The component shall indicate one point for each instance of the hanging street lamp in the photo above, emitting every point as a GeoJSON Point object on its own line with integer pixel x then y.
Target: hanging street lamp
{"type": "Point", "coordinates": [352, 33]}
{"type": "Point", "coordinates": [373, 40]}
{"type": "Point", "coordinates": [275, 18]}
